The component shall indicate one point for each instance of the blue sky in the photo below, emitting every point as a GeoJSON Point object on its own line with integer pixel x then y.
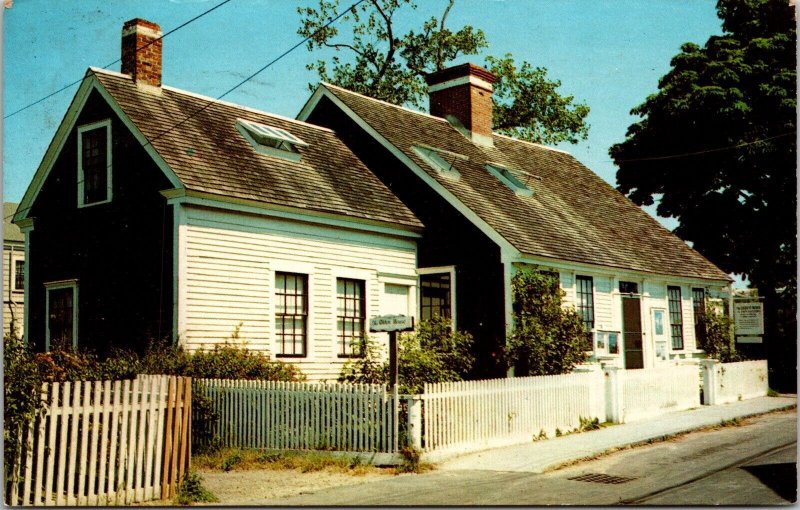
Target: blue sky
{"type": "Point", "coordinates": [607, 53]}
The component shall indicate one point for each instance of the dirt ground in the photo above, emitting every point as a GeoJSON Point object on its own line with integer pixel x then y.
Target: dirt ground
{"type": "Point", "coordinates": [259, 487]}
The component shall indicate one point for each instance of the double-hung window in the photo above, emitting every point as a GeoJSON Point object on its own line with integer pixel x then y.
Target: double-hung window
{"type": "Point", "coordinates": [585, 302]}
{"type": "Point", "coordinates": [94, 163]}
{"type": "Point", "coordinates": [19, 274]}
{"type": "Point", "coordinates": [291, 313]}
{"type": "Point", "coordinates": [350, 316]}
{"type": "Point", "coordinates": [699, 308]}
{"type": "Point", "coordinates": [675, 317]}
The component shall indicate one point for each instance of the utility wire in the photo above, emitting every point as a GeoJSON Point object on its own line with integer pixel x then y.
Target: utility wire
{"type": "Point", "coordinates": [259, 71]}
{"type": "Point", "coordinates": [707, 151]}
{"type": "Point", "coordinates": [65, 87]}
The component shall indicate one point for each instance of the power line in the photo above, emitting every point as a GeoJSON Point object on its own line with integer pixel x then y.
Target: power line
{"type": "Point", "coordinates": [259, 71]}
{"type": "Point", "coordinates": [707, 151]}
{"type": "Point", "coordinates": [65, 87]}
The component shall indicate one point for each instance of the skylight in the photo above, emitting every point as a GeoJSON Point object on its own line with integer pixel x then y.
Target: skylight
{"type": "Point", "coordinates": [505, 176]}
{"type": "Point", "coordinates": [437, 162]}
{"type": "Point", "coordinates": [271, 140]}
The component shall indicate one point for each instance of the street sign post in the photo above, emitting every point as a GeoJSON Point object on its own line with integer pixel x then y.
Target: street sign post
{"type": "Point", "coordinates": [392, 324]}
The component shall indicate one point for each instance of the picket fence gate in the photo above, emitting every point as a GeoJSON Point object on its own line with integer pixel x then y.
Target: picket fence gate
{"type": "Point", "coordinates": [105, 443]}
{"type": "Point", "coordinates": [303, 416]}
{"type": "Point", "coordinates": [470, 414]}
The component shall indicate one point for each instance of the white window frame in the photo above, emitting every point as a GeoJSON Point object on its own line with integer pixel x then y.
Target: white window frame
{"type": "Point", "coordinates": [297, 268]}
{"type": "Point", "coordinates": [507, 177]}
{"type": "Point", "coordinates": [244, 127]}
{"type": "Point", "coordinates": [12, 284]}
{"type": "Point", "coordinates": [82, 129]}
{"type": "Point", "coordinates": [61, 284]}
{"type": "Point", "coordinates": [438, 270]}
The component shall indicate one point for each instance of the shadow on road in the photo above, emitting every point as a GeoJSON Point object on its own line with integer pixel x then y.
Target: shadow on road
{"type": "Point", "coordinates": [781, 478]}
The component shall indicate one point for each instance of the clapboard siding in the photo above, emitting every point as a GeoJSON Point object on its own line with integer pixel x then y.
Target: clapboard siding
{"type": "Point", "coordinates": [229, 269]}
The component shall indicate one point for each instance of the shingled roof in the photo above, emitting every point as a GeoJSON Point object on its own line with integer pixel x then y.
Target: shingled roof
{"type": "Point", "coordinates": [572, 215]}
{"type": "Point", "coordinates": [197, 138]}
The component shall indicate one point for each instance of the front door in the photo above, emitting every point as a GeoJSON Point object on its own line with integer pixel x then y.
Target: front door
{"type": "Point", "coordinates": [632, 331]}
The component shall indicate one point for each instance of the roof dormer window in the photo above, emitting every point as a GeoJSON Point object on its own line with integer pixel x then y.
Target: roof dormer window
{"type": "Point", "coordinates": [438, 162]}
{"type": "Point", "coordinates": [505, 176]}
{"type": "Point", "coordinates": [271, 140]}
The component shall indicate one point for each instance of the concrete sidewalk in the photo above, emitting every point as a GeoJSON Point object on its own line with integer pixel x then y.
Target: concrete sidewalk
{"type": "Point", "coordinates": [540, 456]}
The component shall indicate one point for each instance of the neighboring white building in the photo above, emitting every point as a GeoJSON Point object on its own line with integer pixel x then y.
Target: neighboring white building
{"type": "Point", "coordinates": [13, 273]}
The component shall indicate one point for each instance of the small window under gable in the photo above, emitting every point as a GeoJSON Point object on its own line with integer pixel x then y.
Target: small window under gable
{"type": "Point", "coordinates": [271, 140]}
{"type": "Point", "coordinates": [438, 162]}
{"type": "Point", "coordinates": [508, 178]}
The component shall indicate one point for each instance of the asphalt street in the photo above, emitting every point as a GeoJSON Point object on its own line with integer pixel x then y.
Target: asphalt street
{"type": "Point", "coordinates": [749, 464]}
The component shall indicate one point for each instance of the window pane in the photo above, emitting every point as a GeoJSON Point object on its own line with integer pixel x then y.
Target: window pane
{"type": "Point", "coordinates": [19, 275]}
{"type": "Point", "coordinates": [434, 295]}
{"type": "Point", "coordinates": [95, 165]}
{"type": "Point", "coordinates": [350, 314]}
{"type": "Point", "coordinates": [291, 313]}
{"type": "Point", "coordinates": [675, 317]}
{"type": "Point", "coordinates": [585, 300]}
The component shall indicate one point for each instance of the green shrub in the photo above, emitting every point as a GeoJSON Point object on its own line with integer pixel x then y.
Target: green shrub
{"type": "Point", "coordinates": [21, 390]}
{"type": "Point", "coordinates": [228, 361]}
{"type": "Point", "coordinates": [547, 338]}
{"type": "Point", "coordinates": [191, 490]}
{"type": "Point", "coordinates": [433, 353]}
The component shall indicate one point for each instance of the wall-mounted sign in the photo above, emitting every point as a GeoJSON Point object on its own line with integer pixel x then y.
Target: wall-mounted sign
{"type": "Point", "coordinates": [749, 339]}
{"type": "Point", "coordinates": [391, 323]}
{"type": "Point", "coordinates": [748, 318]}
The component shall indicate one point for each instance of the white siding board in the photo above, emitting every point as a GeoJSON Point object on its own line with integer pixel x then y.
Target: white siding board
{"type": "Point", "coordinates": [230, 264]}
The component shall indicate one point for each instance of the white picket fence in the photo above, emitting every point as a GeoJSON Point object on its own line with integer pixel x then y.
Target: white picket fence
{"type": "Point", "coordinates": [740, 381]}
{"type": "Point", "coordinates": [105, 443]}
{"type": "Point", "coordinates": [305, 416]}
{"type": "Point", "coordinates": [653, 391]}
{"type": "Point", "coordinates": [475, 414]}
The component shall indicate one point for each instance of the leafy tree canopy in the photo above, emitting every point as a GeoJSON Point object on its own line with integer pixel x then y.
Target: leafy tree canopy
{"type": "Point", "coordinates": [717, 144]}
{"type": "Point", "coordinates": [386, 63]}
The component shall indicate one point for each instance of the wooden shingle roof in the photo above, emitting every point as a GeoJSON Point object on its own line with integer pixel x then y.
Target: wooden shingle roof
{"type": "Point", "coordinates": [198, 139]}
{"type": "Point", "coordinates": [572, 215]}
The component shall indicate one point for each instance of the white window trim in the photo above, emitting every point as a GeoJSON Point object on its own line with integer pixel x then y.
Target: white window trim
{"type": "Point", "coordinates": [353, 274]}
{"type": "Point", "coordinates": [61, 284]}
{"type": "Point", "coordinates": [263, 149]}
{"type": "Point", "coordinates": [82, 129]}
{"type": "Point", "coordinates": [604, 352]}
{"type": "Point", "coordinates": [438, 270]}
{"type": "Point", "coordinates": [308, 271]}
{"type": "Point", "coordinates": [12, 283]}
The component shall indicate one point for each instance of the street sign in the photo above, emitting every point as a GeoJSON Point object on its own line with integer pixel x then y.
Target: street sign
{"type": "Point", "coordinates": [748, 318]}
{"type": "Point", "coordinates": [391, 323]}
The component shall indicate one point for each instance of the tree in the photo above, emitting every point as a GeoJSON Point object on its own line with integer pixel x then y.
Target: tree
{"type": "Point", "coordinates": [717, 145]}
{"type": "Point", "coordinates": [548, 339]}
{"type": "Point", "coordinates": [384, 63]}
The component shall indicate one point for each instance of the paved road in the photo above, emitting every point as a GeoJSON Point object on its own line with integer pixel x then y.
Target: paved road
{"type": "Point", "coordinates": [698, 468]}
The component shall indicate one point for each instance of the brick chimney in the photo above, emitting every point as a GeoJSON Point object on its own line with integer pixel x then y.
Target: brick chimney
{"type": "Point", "coordinates": [464, 92]}
{"type": "Point", "coordinates": [141, 53]}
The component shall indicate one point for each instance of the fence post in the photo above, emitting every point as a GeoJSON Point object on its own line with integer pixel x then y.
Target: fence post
{"type": "Point", "coordinates": [614, 395]}
{"type": "Point", "coordinates": [709, 371]}
{"type": "Point", "coordinates": [414, 421]}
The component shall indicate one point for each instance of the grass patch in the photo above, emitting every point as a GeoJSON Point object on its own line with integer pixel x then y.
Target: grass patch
{"type": "Point", "coordinates": [240, 459]}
